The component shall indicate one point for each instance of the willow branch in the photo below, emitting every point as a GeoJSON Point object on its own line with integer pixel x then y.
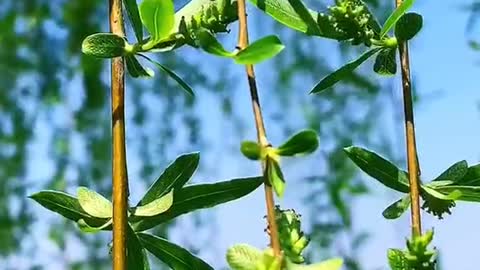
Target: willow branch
{"type": "Point", "coordinates": [412, 157]}
{"type": "Point", "coordinates": [261, 134]}
{"type": "Point", "coordinates": [119, 166]}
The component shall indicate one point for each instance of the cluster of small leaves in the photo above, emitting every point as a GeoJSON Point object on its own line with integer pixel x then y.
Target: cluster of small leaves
{"type": "Point", "coordinates": [353, 19]}
{"type": "Point", "coordinates": [416, 257]}
{"type": "Point", "coordinates": [292, 239]}
{"type": "Point", "coordinates": [302, 143]}
{"type": "Point", "coordinates": [195, 25]}
{"type": "Point", "coordinates": [460, 182]}
{"type": "Point", "coordinates": [166, 199]}
{"type": "Point", "coordinates": [246, 257]}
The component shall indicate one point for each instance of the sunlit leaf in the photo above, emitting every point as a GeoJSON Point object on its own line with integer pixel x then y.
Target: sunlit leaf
{"type": "Point", "coordinates": [396, 209]}
{"type": "Point", "coordinates": [275, 176]}
{"type": "Point", "coordinates": [260, 50]}
{"type": "Point", "coordinates": [155, 207]}
{"type": "Point", "coordinates": [94, 203]}
{"type": "Point", "coordinates": [251, 150]}
{"type": "Point", "coordinates": [104, 45]}
{"type": "Point", "coordinates": [211, 45]}
{"type": "Point", "coordinates": [158, 16]}
{"type": "Point", "coordinates": [244, 257]}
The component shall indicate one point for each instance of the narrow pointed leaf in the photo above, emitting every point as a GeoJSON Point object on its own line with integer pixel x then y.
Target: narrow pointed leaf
{"type": "Point", "coordinates": [304, 142]}
{"type": "Point", "coordinates": [94, 203]}
{"type": "Point", "coordinates": [135, 69]}
{"type": "Point", "coordinates": [171, 254]}
{"type": "Point", "coordinates": [396, 209]}
{"type": "Point", "coordinates": [275, 176]}
{"type": "Point", "coordinates": [342, 72]}
{"type": "Point", "coordinates": [211, 45]}
{"type": "Point", "coordinates": [155, 207]}
{"type": "Point", "coordinates": [172, 75]}
{"type": "Point", "coordinates": [158, 17]}
{"type": "Point", "coordinates": [195, 197]}
{"type": "Point", "coordinates": [61, 203]}
{"type": "Point", "coordinates": [251, 150]}
{"type": "Point", "coordinates": [85, 227]}
{"type": "Point", "coordinates": [455, 172]}
{"type": "Point", "coordinates": [452, 196]}
{"type": "Point", "coordinates": [386, 62]}
{"type": "Point", "coordinates": [395, 16]}
{"type": "Point", "coordinates": [408, 26]}
{"type": "Point", "coordinates": [259, 51]}
{"type": "Point", "coordinates": [136, 255]}
{"type": "Point", "coordinates": [379, 168]}
{"type": "Point", "coordinates": [468, 193]}
{"type": "Point", "coordinates": [134, 16]}
{"type": "Point", "coordinates": [104, 45]}
{"type": "Point", "coordinates": [175, 176]}
{"type": "Point", "coordinates": [244, 257]}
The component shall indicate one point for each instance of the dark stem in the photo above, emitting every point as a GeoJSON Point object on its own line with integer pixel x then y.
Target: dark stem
{"type": "Point", "coordinates": [261, 134]}
{"type": "Point", "coordinates": [412, 157]}
{"type": "Point", "coordinates": [119, 164]}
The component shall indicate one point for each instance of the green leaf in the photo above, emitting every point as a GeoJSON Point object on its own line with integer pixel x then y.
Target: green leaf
{"type": "Point", "coordinates": [136, 255]}
{"type": "Point", "coordinates": [134, 16]}
{"type": "Point", "coordinates": [155, 207]}
{"type": "Point", "coordinates": [395, 16]}
{"type": "Point", "coordinates": [331, 264]}
{"type": "Point", "coordinates": [342, 72]}
{"type": "Point", "coordinates": [408, 26]}
{"type": "Point", "coordinates": [379, 168]}
{"type": "Point", "coordinates": [396, 209]}
{"type": "Point", "coordinates": [275, 176]}
{"type": "Point", "coordinates": [244, 257]}
{"type": "Point", "coordinates": [94, 203]}
{"type": "Point", "coordinates": [172, 255]}
{"type": "Point", "coordinates": [104, 45]}
{"type": "Point", "coordinates": [304, 142]}
{"type": "Point", "coordinates": [158, 16]}
{"type": "Point", "coordinates": [397, 260]}
{"type": "Point", "coordinates": [202, 196]}
{"type": "Point", "coordinates": [455, 172]}
{"type": "Point", "coordinates": [385, 62]}
{"type": "Point", "coordinates": [472, 178]}
{"type": "Point", "coordinates": [260, 50]}
{"type": "Point", "coordinates": [61, 203]}
{"type": "Point", "coordinates": [172, 75]}
{"type": "Point", "coordinates": [175, 176]}
{"type": "Point", "coordinates": [210, 44]}
{"type": "Point", "coordinates": [251, 150]}
{"type": "Point", "coordinates": [85, 227]}
{"type": "Point", "coordinates": [135, 69]}
{"type": "Point", "coordinates": [468, 193]}
{"type": "Point", "coordinates": [452, 196]}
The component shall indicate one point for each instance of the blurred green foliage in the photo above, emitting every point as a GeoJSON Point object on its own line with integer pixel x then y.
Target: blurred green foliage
{"type": "Point", "coordinates": [55, 123]}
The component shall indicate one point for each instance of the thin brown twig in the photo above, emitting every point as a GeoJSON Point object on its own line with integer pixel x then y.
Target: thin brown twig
{"type": "Point", "coordinates": [261, 134]}
{"type": "Point", "coordinates": [119, 164]}
{"type": "Point", "coordinates": [412, 157]}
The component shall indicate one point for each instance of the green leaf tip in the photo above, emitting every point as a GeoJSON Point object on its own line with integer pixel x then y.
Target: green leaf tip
{"type": "Point", "coordinates": [396, 209]}
{"type": "Point", "coordinates": [342, 72]}
{"type": "Point", "coordinates": [302, 143]}
{"type": "Point", "coordinates": [259, 51]}
{"type": "Point", "coordinates": [244, 257]}
{"type": "Point", "coordinates": [274, 176]}
{"type": "Point", "coordinates": [105, 45]}
{"type": "Point", "coordinates": [155, 207]}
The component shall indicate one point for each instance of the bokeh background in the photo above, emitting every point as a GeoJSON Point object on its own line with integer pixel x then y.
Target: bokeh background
{"type": "Point", "coordinates": [55, 134]}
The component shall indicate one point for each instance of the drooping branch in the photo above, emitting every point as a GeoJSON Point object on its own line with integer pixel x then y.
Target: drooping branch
{"type": "Point", "coordinates": [261, 134]}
